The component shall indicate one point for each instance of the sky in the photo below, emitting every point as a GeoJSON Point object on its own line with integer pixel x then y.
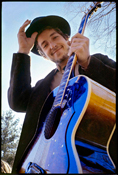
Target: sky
{"type": "Point", "coordinates": [13, 16]}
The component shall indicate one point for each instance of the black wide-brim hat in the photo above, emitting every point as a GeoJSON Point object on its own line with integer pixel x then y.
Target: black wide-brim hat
{"type": "Point", "coordinates": [41, 22]}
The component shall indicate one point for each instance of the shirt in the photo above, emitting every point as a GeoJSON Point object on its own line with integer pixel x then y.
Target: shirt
{"type": "Point", "coordinates": [58, 76]}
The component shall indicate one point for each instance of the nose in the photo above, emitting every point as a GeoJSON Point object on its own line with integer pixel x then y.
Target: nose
{"type": "Point", "coordinates": [52, 45]}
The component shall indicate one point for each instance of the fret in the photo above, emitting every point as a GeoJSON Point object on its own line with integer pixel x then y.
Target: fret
{"type": "Point", "coordinates": [64, 80]}
{"type": "Point", "coordinates": [62, 87]}
{"type": "Point", "coordinates": [57, 103]}
{"type": "Point", "coordinates": [67, 71]}
{"type": "Point", "coordinates": [83, 24]}
{"type": "Point", "coordinates": [58, 99]}
{"type": "Point", "coordinates": [62, 84]}
{"type": "Point", "coordinates": [71, 58]}
{"type": "Point", "coordinates": [65, 77]}
{"type": "Point", "coordinates": [69, 64]}
{"type": "Point", "coordinates": [61, 90]}
{"type": "Point", "coordinates": [59, 95]}
{"type": "Point", "coordinates": [70, 61]}
{"type": "Point", "coordinates": [66, 74]}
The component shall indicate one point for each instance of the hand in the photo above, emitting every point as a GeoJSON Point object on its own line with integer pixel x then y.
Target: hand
{"type": "Point", "coordinates": [79, 45]}
{"type": "Point", "coordinates": [25, 44]}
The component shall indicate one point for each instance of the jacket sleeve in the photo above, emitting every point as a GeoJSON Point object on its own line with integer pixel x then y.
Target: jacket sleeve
{"type": "Point", "coordinates": [102, 70]}
{"type": "Point", "coordinates": [20, 83]}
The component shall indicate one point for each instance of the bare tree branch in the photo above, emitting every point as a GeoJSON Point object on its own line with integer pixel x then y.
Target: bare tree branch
{"type": "Point", "coordinates": [101, 25]}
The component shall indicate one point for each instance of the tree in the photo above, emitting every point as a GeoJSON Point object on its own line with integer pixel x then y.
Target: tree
{"type": "Point", "coordinates": [10, 132]}
{"type": "Point", "coordinates": [102, 24]}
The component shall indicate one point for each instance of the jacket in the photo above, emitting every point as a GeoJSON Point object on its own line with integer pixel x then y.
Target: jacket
{"type": "Point", "coordinates": [24, 98]}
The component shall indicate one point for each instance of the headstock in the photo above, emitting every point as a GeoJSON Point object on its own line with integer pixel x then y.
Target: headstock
{"type": "Point", "coordinates": [93, 8]}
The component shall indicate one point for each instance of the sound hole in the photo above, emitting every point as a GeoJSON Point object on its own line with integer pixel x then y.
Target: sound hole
{"type": "Point", "coordinates": [52, 122]}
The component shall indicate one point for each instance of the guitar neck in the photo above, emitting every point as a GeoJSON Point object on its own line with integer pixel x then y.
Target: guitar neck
{"type": "Point", "coordinates": [70, 64]}
{"type": "Point", "coordinates": [73, 58]}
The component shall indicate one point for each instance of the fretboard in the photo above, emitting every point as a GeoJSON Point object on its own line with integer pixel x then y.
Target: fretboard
{"type": "Point", "coordinates": [64, 81]}
{"type": "Point", "coordinates": [68, 70]}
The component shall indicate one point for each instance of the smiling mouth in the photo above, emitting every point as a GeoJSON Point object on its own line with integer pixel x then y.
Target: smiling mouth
{"type": "Point", "coordinates": [56, 50]}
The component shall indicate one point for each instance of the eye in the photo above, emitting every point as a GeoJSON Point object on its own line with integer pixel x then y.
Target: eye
{"type": "Point", "coordinates": [45, 45]}
{"type": "Point", "coordinates": [55, 37]}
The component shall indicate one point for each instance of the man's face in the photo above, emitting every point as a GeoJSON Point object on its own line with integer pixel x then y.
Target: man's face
{"type": "Point", "coordinates": [53, 45]}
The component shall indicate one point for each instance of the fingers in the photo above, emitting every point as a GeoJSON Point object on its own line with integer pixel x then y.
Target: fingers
{"type": "Point", "coordinates": [25, 24]}
{"type": "Point", "coordinates": [79, 44]}
{"type": "Point", "coordinates": [77, 35]}
{"type": "Point", "coordinates": [25, 44]}
{"type": "Point", "coordinates": [78, 38]}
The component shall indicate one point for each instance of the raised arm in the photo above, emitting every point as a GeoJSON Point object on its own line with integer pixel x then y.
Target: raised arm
{"type": "Point", "coordinates": [20, 81]}
{"type": "Point", "coordinates": [25, 44]}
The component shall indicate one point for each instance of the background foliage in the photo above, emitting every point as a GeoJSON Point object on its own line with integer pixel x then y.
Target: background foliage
{"type": "Point", "coordinates": [10, 133]}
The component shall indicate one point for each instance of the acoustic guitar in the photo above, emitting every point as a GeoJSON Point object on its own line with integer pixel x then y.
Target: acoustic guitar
{"type": "Point", "coordinates": [78, 113]}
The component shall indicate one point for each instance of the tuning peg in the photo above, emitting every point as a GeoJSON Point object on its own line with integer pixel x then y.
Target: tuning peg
{"type": "Point", "coordinates": [95, 9]}
{"type": "Point", "coordinates": [99, 5]}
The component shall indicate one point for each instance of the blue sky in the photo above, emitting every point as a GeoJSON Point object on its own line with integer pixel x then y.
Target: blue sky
{"type": "Point", "coordinates": [13, 16]}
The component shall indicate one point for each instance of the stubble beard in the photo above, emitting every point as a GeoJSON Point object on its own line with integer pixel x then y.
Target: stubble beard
{"type": "Point", "coordinates": [63, 59]}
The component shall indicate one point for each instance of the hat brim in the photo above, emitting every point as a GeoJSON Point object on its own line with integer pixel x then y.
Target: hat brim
{"type": "Point", "coordinates": [41, 22]}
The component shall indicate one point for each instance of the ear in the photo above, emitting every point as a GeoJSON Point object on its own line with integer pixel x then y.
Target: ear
{"type": "Point", "coordinates": [34, 35]}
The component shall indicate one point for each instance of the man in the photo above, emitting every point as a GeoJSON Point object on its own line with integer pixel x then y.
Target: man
{"type": "Point", "coordinates": [49, 36]}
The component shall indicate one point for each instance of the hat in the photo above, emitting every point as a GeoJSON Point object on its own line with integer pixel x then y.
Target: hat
{"type": "Point", "coordinates": [53, 21]}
